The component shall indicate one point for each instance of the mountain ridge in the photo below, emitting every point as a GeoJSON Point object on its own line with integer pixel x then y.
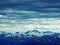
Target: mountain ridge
{"type": "Point", "coordinates": [28, 33]}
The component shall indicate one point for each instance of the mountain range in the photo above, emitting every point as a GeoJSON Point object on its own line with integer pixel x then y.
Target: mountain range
{"type": "Point", "coordinates": [33, 37]}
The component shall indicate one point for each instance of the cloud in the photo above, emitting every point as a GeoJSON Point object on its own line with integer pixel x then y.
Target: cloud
{"type": "Point", "coordinates": [33, 5]}
{"type": "Point", "coordinates": [41, 24]}
{"type": "Point", "coordinates": [21, 0]}
{"type": "Point", "coordinates": [51, 9]}
{"type": "Point", "coordinates": [41, 4]}
{"type": "Point", "coordinates": [4, 25]}
{"type": "Point", "coordinates": [2, 16]}
{"type": "Point", "coordinates": [23, 14]}
{"type": "Point", "coordinates": [20, 15]}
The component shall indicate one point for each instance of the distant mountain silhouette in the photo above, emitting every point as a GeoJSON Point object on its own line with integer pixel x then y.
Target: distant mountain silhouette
{"type": "Point", "coordinates": [33, 37]}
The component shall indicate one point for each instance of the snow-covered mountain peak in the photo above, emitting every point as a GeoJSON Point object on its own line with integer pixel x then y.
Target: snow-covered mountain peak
{"type": "Point", "coordinates": [27, 34]}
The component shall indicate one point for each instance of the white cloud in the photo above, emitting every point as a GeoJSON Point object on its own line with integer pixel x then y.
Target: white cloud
{"type": "Point", "coordinates": [4, 25]}
{"type": "Point", "coordinates": [12, 21]}
{"type": "Point", "coordinates": [42, 24]}
{"type": "Point", "coordinates": [2, 16]}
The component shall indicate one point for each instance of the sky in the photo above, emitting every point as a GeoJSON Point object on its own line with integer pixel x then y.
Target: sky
{"type": "Point", "coordinates": [24, 15]}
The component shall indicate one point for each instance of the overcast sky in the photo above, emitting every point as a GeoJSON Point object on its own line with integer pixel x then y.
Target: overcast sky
{"type": "Point", "coordinates": [23, 15]}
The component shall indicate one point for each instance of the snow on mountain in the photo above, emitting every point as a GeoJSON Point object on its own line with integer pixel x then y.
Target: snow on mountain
{"type": "Point", "coordinates": [48, 33]}
{"type": "Point", "coordinates": [34, 32]}
{"type": "Point", "coordinates": [37, 33]}
{"type": "Point", "coordinates": [26, 34]}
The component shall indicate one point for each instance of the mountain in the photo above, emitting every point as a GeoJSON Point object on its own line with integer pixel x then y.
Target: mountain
{"type": "Point", "coordinates": [27, 34]}
{"type": "Point", "coordinates": [33, 37]}
{"type": "Point", "coordinates": [31, 33]}
{"type": "Point", "coordinates": [48, 33]}
{"type": "Point", "coordinates": [38, 33]}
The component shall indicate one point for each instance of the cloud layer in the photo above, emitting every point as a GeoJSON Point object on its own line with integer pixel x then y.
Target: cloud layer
{"type": "Point", "coordinates": [20, 15]}
{"type": "Point", "coordinates": [41, 24]}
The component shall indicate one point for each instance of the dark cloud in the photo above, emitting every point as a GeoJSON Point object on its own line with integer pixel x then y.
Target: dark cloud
{"type": "Point", "coordinates": [22, 14]}
{"type": "Point", "coordinates": [42, 8]}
